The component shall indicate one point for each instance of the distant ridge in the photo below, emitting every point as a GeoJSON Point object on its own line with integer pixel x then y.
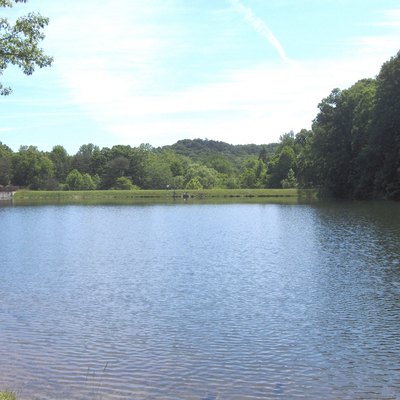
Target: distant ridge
{"type": "Point", "coordinates": [197, 149]}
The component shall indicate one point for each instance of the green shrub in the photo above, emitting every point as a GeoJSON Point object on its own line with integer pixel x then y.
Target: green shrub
{"type": "Point", "coordinates": [7, 396]}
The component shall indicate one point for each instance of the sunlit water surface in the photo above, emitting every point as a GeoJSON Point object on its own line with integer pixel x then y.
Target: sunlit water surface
{"type": "Point", "coordinates": [234, 301]}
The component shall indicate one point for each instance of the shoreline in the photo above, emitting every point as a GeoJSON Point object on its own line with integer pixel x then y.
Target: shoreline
{"type": "Point", "coordinates": [143, 196]}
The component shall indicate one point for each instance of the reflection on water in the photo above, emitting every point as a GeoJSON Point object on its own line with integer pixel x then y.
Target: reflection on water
{"type": "Point", "coordinates": [235, 301]}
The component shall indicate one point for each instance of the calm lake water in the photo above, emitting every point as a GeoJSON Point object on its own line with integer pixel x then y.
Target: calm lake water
{"type": "Point", "coordinates": [191, 301]}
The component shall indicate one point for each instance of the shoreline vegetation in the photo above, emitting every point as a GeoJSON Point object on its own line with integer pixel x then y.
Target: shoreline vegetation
{"type": "Point", "coordinates": [352, 151]}
{"type": "Point", "coordinates": [7, 396]}
{"type": "Point", "coordinates": [170, 195]}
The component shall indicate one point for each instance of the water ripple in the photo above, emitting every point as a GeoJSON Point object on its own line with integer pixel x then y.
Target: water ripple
{"type": "Point", "coordinates": [201, 302]}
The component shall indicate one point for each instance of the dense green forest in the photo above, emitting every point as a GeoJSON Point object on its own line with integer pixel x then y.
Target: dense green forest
{"type": "Point", "coordinates": [351, 151]}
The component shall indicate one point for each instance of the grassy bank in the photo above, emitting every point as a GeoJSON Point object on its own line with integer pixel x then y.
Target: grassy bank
{"type": "Point", "coordinates": [144, 196]}
{"type": "Point", "coordinates": [7, 396]}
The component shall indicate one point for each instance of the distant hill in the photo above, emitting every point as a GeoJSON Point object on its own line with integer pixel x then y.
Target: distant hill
{"type": "Point", "coordinates": [199, 149]}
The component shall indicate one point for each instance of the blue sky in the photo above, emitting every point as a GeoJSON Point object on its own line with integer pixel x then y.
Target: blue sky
{"type": "Point", "coordinates": [156, 71]}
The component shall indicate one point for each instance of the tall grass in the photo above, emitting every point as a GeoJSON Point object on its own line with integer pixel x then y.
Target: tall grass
{"type": "Point", "coordinates": [143, 196]}
{"type": "Point", "coordinates": [7, 396]}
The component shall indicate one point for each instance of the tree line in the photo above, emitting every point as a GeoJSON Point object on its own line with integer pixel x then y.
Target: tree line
{"type": "Point", "coordinates": [126, 167]}
{"type": "Point", "coordinates": [351, 151]}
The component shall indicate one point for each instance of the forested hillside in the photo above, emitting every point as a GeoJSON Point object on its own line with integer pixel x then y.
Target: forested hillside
{"type": "Point", "coordinates": [191, 164]}
{"type": "Point", "coordinates": [199, 149]}
{"type": "Point", "coordinates": [352, 151]}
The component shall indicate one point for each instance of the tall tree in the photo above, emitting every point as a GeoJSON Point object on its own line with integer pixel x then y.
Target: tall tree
{"type": "Point", "coordinates": [306, 171]}
{"type": "Point", "coordinates": [61, 162]}
{"type": "Point", "coordinates": [138, 160]}
{"type": "Point", "coordinates": [386, 131]}
{"type": "Point", "coordinates": [341, 132]}
{"type": "Point", "coordinates": [279, 166]}
{"type": "Point", "coordinates": [115, 168]}
{"type": "Point", "coordinates": [31, 168]}
{"type": "Point", "coordinates": [252, 173]}
{"type": "Point", "coordinates": [86, 159]}
{"type": "Point", "coordinates": [157, 173]}
{"type": "Point", "coordinates": [5, 164]}
{"type": "Point", "coordinates": [208, 177]}
{"type": "Point", "coordinates": [19, 43]}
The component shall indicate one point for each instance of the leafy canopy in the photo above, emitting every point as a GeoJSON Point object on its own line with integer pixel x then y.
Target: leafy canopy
{"type": "Point", "coordinates": [19, 43]}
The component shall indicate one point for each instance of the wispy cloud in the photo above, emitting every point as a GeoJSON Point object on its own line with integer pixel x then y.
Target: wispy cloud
{"type": "Point", "coordinates": [111, 78]}
{"type": "Point", "coordinates": [383, 43]}
{"type": "Point", "coordinates": [256, 104]}
{"type": "Point", "coordinates": [261, 27]}
{"type": "Point", "coordinates": [111, 67]}
{"type": "Point", "coordinates": [7, 129]}
{"type": "Point", "coordinates": [391, 19]}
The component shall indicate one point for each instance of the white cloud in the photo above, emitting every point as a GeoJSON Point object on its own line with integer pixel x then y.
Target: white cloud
{"type": "Point", "coordinates": [259, 26]}
{"type": "Point", "coordinates": [391, 19]}
{"type": "Point", "coordinates": [7, 129]}
{"type": "Point", "coordinates": [107, 44]}
{"type": "Point", "coordinates": [384, 43]}
{"type": "Point", "coordinates": [111, 75]}
{"type": "Point", "coordinates": [255, 105]}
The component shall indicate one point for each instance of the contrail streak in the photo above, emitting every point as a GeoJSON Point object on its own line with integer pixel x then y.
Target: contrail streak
{"type": "Point", "coordinates": [259, 26]}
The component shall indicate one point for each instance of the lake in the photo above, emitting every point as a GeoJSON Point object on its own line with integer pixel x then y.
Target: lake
{"type": "Point", "coordinates": [201, 301]}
